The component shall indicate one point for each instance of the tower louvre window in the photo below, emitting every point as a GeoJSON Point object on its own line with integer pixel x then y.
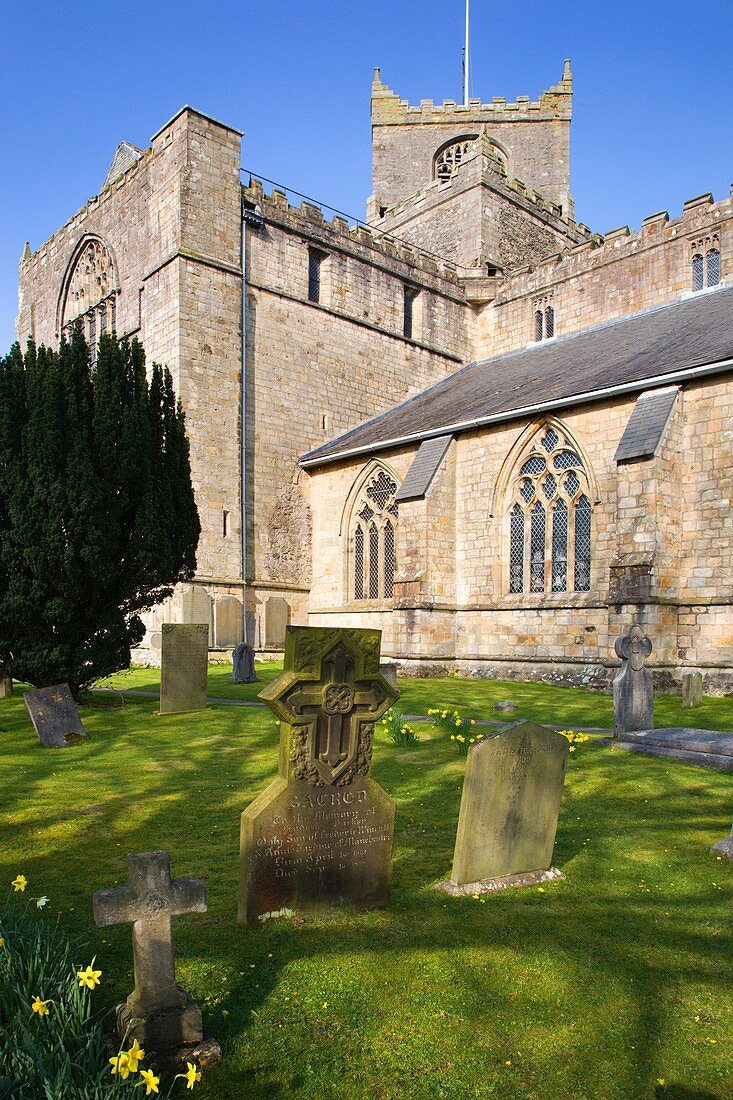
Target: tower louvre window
{"type": "Point", "coordinates": [549, 518]}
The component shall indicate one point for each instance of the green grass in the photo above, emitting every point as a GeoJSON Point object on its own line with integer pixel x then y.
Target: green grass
{"type": "Point", "coordinates": [593, 989]}
{"type": "Point", "coordinates": [555, 706]}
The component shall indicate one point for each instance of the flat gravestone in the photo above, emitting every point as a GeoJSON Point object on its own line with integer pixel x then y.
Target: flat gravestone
{"type": "Point", "coordinates": [183, 667]}
{"type": "Point", "coordinates": [321, 833]}
{"type": "Point", "coordinates": [509, 810]}
{"type": "Point", "coordinates": [277, 618]}
{"type": "Point", "coordinates": [633, 687]}
{"type": "Point", "coordinates": [227, 622]}
{"type": "Point", "coordinates": [724, 847]}
{"type": "Point", "coordinates": [55, 716]}
{"type": "Point", "coordinates": [691, 689]}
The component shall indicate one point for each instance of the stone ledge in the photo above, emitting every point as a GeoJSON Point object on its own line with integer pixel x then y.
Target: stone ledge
{"type": "Point", "coordinates": [703, 748]}
{"type": "Point", "coordinates": [503, 882]}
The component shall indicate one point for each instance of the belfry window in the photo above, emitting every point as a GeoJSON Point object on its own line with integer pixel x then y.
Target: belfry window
{"type": "Point", "coordinates": [448, 158]}
{"type": "Point", "coordinates": [373, 539]}
{"type": "Point", "coordinates": [549, 518]}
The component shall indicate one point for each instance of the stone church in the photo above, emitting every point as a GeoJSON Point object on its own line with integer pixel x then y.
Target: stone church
{"type": "Point", "coordinates": [469, 421]}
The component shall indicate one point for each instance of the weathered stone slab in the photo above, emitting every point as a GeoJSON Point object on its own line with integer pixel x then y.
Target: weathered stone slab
{"type": "Point", "coordinates": [183, 667]}
{"type": "Point", "coordinates": [228, 623]}
{"type": "Point", "coordinates": [510, 804]}
{"type": "Point", "coordinates": [633, 687]}
{"type": "Point", "coordinates": [724, 847]}
{"type": "Point", "coordinates": [277, 618]}
{"type": "Point", "coordinates": [703, 748]}
{"type": "Point", "coordinates": [158, 1013]}
{"type": "Point", "coordinates": [691, 689]}
{"type": "Point", "coordinates": [55, 716]}
{"type": "Point", "coordinates": [504, 882]}
{"type": "Point", "coordinates": [6, 687]}
{"type": "Point", "coordinates": [243, 664]}
{"type": "Point", "coordinates": [321, 833]}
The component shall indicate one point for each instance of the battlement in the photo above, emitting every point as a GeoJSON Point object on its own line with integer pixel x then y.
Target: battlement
{"type": "Point", "coordinates": [364, 241]}
{"type": "Point", "coordinates": [389, 109]}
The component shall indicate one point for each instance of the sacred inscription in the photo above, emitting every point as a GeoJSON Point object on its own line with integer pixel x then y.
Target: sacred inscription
{"type": "Point", "coordinates": [321, 834]}
{"type": "Point", "coordinates": [184, 667]}
{"type": "Point", "coordinates": [510, 804]}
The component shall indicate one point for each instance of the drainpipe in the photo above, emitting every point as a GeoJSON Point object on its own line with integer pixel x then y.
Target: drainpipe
{"type": "Point", "coordinates": [250, 216]}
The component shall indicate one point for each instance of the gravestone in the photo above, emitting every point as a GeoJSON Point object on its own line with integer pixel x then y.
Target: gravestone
{"type": "Point", "coordinates": [691, 689]}
{"type": "Point", "coordinates": [509, 810]}
{"type": "Point", "coordinates": [389, 671]}
{"type": "Point", "coordinates": [55, 716]}
{"type": "Point", "coordinates": [321, 833]}
{"type": "Point", "coordinates": [196, 606]}
{"type": "Point", "coordinates": [6, 687]}
{"type": "Point", "coordinates": [724, 847]}
{"type": "Point", "coordinates": [277, 618]}
{"type": "Point", "coordinates": [227, 622]}
{"type": "Point", "coordinates": [158, 1013]}
{"type": "Point", "coordinates": [183, 667]}
{"type": "Point", "coordinates": [243, 664]}
{"type": "Point", "coordinates": [633, 687]}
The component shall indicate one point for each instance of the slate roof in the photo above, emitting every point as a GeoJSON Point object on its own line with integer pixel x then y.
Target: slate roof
{"type": "Point", "coordinates": [694, 332]}
{"type": "Point", "coordinates": [424, 468]}
{"type": "Point", "coordinates": [644, 431]}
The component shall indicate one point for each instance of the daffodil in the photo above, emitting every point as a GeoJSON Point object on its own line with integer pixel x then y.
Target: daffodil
{"type": "Point", "coordinates": [2, 941]}
{"type": "Point", "coordinates": [135, 1055]}
{"type": "Point", "coordinates": [41, 1007]}
{"type": "Point", "coordinates": [40, 902]}
{"type": "Point", "coordinates": [19, 883]}
{"type": "Point", "coordinates": [89, 977]}
{"type": "Point", "coordinates": [151, 1081]}
{"type": "Point", "coordinates": [121, 1065]}
{"type": "Point", "coordinates": [192, 1075]}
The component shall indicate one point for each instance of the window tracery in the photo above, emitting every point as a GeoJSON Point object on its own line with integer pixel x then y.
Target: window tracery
{"type": "Point", "coordinates": [373, 538]}
{"type": "Point", "coordinates": [549, 513]}
{"type": "Point", "coordinates": [706, 262]}
{"type": "Point", "coordinates": [90, 297]}
{"type": "Point", "coordinates": [450, 156]}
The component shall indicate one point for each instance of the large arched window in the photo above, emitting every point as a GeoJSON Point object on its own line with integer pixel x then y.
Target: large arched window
{"type": "Point", "coordinates": [373, 536]}
{"type": "Point", "coordinates": [89, 293]}
{"type": "Point", "coordinates": [549, 518]}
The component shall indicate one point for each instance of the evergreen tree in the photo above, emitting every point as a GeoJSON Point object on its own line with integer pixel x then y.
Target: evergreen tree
{"type": "Point", "coordinates": [97, 514]}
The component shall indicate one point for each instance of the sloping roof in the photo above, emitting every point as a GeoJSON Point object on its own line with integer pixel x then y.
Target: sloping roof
{"type": "Point", "coordinates": [424, 468]}
{"type": "Point", "coordinates": [644, 431]}
{"type": "Point", "coordinates": [649, 348]}
{"type": "Point", "coordinates": [124, 158]}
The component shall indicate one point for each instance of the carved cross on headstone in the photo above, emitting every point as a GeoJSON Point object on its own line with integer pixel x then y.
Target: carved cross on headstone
{"type": "Point", "coordinates": [333, 707]}
{"type": "Point", "coordinates": [149, 903]}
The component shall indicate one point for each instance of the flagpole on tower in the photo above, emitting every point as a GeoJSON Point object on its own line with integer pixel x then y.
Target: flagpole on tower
{"type": "Point", "coordinates": [465, 62]}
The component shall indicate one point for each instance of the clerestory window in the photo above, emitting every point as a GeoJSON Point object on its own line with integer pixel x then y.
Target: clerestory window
{"type": "Point", "coordinates": [549, 518]}
{"type": "Point", "coordinates": [373, 539]}
{"type": "Point", "coordinates": [706, 262]}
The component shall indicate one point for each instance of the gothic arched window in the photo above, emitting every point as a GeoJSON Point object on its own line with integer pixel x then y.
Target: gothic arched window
{"type": "Point", "coordinates": [89, 295]}
{"type": "Point", "coordinates": [706, 262]}
{"type": "Point", "coordinates": [448, 157]}
{"type": "Point", "coordinates": [373, 538]}
{"type": "Point", "coordinates": [549, 518]}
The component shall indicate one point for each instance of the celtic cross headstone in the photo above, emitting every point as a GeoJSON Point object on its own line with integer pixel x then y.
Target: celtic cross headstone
{"type": "Point", "coordinates": [158, 1012]}
{"type": "Point", "coordinates": [321, 833]}
{"type": "Point", "coordinates": [633, 687]}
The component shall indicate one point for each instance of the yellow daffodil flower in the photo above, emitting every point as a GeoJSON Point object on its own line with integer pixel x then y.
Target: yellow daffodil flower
{"type": "Point", "coordinates": [89, 977]}
{"type": "Point", "coordinates": [325, 1004]}
{"type": "Point", "coordinates": [19, 883]}
{"type": "Point", "coordinates": [121, 1065]}
{"type": "Point", "coordinates": [192, 1075]}
{"type": "Point", "coordinates": [135, 1055]}
{"type": "Point", "coordinates": [41, 1007]}
{"type": "Point", "coordinates": [151, 1081]}
{"type": "Point", "coordinates": [2, 941]}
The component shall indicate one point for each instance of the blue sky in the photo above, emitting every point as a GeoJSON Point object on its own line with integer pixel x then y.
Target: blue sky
{"type": "Point", "coordinates": [653, 86]}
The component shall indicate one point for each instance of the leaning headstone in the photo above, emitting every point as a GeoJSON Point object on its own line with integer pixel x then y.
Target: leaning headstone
{"type": "Point", "coordinates": [55, 716]}
{"type": "Point", "coordinates": [243, 664]}
{"type": "Point", "coordinates": [691, 689]}
{"type": "Point", "coordinates": [509, 811]}
{"type": "Point", "coordinates": [321, 833]}
{"type": "Point", "coordinates": [158, 1013]}
{"type": "Point", "coordinates": [633, 687]}
{"type": "Point", "coordinates": [6, 687]}
{"type": "Point", "coordinates": [724, 847]}
{"type": "Point", "coordinates": [183, 667]}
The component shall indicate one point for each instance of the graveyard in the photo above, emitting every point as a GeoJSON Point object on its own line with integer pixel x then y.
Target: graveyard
{"type": "Point", "coordinates": [614, 982]}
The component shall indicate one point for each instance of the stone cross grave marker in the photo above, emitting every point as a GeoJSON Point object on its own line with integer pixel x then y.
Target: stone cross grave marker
{"type": "Point", "coordinates": [158, 1013]}
{"type": "Point", "coordinates": [633, 687]}
{"type": "Point", "coordinates": [243, 664]}
{"type": "Point", "coordinates": [321, 833]}
{"type": "Point", "coordinates": [55, 716]}
{"type": "Point", "coordinates": [183, 667]}
{"type": "Point", "coordinates": [724, 847]}
{"type": "Point", "coordinates": [509, 810]}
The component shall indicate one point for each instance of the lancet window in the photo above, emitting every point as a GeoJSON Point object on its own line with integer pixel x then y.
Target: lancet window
{"type": "Point", "coordinates": [549, 518]}
{"type": "Point", "coordinates": [706, 262]}
{"type": "Point", "coordinates": [373, 539]}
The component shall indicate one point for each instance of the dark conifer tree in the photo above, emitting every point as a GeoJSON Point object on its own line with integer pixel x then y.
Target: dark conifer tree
{"type": "Point", "coordinates": [97, 514]}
